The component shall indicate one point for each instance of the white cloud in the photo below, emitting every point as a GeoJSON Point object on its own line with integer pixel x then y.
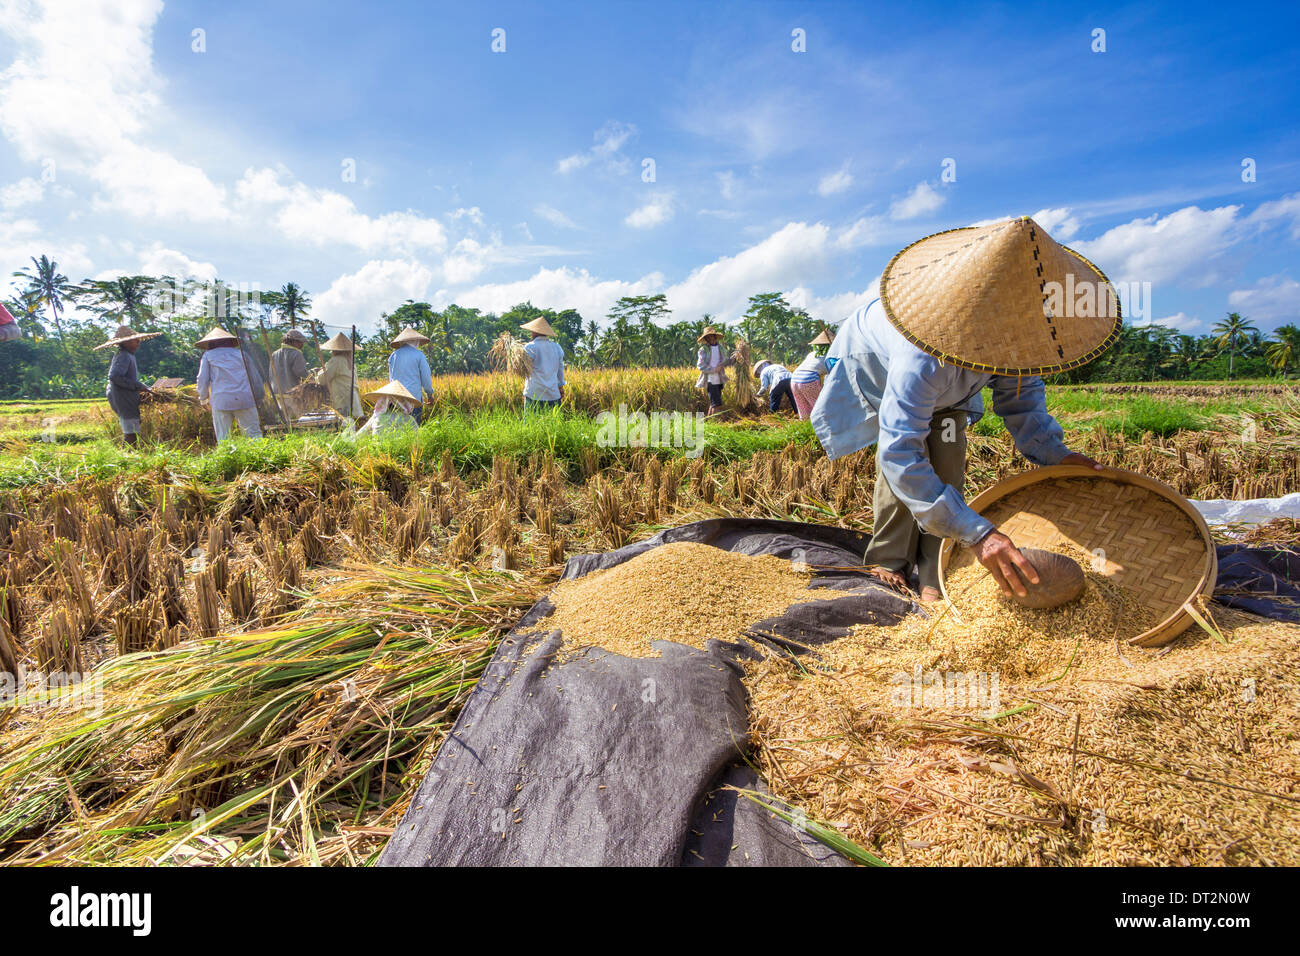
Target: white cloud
{"type": "Point", "coordinates": [1285, 210]}
{"type": "Point", "coordinates": [21, 193]}
{"type": "Point", "coordinates": [1155, 249]}
{"type": "Point", "coordinates": [562, 288]}
{"type": "Point", "coordinates": [923, 199]}
{"type": "Point", "coordinates": [82, 90]}
{"type": "Point", "coordinates": [378, 286]}
{"type": "Point", "coordinates": [1273, 300]}
{"type": "Point", "coordinates": [1180, 322]}
{"type": "Point", "coordinates": [867, 231]}
{"type": "Point", "coordinates": [782, 260]}
{"type": "Point", "coordinates": [727, 184]}
{"type": "Point", "coordinates": [832, 309]}
{"type": "Point", "coordinates": [466, 262]}
{"type": "Point", "coordinates": [158, 261]}
{"type": "Point", "coordinates": [554, 216]}
{"type": "Point", "coordinates": [655, 212]}
{"type": "Point", "coordinates": [606, 151]}
{"type": "Point", "coordinates": [1059, 223]}
{"type": "Point", "coordinates": [323, 216]}
{"type": "Point", "coordinates": [835, 182]}
{"type": "Point", "coordinates": [21, 239]}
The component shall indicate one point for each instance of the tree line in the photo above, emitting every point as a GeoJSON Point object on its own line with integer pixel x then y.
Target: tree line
{"type": "Point", "coordinates": [61, 322]}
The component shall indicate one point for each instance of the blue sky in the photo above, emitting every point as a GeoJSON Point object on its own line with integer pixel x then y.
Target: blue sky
{"type": "Point", "coordinates": [487, 178]}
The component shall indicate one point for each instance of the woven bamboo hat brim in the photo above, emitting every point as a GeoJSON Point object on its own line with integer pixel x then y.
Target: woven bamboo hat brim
{"type": "Point", "coordinates": [708, 330]}
{"type": "Point", "coordinates": [293, 335]}
{"type": "Point", "coordinates": [1148, 538]}
{"type": "Point", "coordinates": [409, 335]}
{"type": "Point", "coordinates": [1005, 299]}
{"type": "Point", "coordinates": [824, 339]}
{"type": "Point", "coordinates": [759, 366]}
{"type": "Point", "coordinates": [393, 390]}
{"type": "Point", "coordinates": [217, 335]}
{"type": "Point", "coordinates": [540, 326]}
{"type": "Point", "coordinates": [125, 333]}
{"type": "Point", "coordinates": [339, 343]}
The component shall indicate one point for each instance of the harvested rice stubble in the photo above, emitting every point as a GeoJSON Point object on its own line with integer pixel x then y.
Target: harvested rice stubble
{"type": "Point", "coordinates": [683, 592]}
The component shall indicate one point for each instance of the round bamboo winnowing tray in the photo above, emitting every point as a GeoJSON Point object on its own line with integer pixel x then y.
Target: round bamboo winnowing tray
{"type": "Point", "coordinates": [1147, 537]}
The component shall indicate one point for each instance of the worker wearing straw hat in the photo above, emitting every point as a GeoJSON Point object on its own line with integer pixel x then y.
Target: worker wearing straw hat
{"type": "Point", "coordinates": [289, 369]}
{"type": "Point", "coordinates": [337, 376]}
{"type": "Point", "coordinates": [544, 386]}
{"type": "Point", "coordinates": [392, 411]}
{"type": "Point", "coordinates": [124, 386]}
{"type": "Point", "coordinates": [775, 381]}
{"type": "Point", "coordinates": [958, 311]}
{"type": "Point", "coordinates": [806, 380]}
{"type": "Point", "coordinates": [225, 386]}
{"type": "Point", "coordinates": [712, 361]}
{"type": "Point", "coordinates": [409, 366]}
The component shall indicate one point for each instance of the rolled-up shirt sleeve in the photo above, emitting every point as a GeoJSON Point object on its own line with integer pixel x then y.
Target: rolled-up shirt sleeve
{"type": "Point", "coordinates": [1022, 405]}
{"type": "Point", "coordinates": [906, 408]}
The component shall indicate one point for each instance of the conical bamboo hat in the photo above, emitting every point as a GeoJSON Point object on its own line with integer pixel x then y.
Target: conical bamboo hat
{"type": "Point", "coordinates": [823, 339]}
{"type": "Point", "coordinates": [1005, 299]}
{"type": "Point", "coordinates": [540, 326]}
{"type": "Point", "coordinates": [708, 330]}
{"type": "Point", "coordinates": [218, 334]}
{"type": "Point", "coordinates": [125, 333]}
{"type": "Point", "coordinates": [393, 389]}
{"type": "Point", "coordinates": [339, 343]}
{"type": "Point", "coordinates": [409, 334]}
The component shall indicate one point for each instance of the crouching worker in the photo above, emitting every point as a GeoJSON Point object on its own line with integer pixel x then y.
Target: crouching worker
{"type": "Point", "coordinates": [124, 386]}
{"type": "Point", "coordinates": [392, 411]}
{"type": "Point", "coordinates": [774, 380]}
{"type": "Point", "coordinates": [958, 311]}
{"type": "Point", "coordinates": [224, 385]}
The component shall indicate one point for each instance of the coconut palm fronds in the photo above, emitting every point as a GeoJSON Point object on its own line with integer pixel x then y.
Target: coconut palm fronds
{"type": "Point", "coordinates": [508, 354]}
{"type": "Point", "coordinates": [295, 744]}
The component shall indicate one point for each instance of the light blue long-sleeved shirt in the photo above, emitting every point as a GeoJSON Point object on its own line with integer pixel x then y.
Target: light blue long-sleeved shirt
{"type": "Point", "coordinates": [547, 377]}
{"type": "Point", "coordinates": [409, 366]}
{"type": "Point", "coordinates": [882, 388]}
{"type": "Point", "coordinates": [770, 377]}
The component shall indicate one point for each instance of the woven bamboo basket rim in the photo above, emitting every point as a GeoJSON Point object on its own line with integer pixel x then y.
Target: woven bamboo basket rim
{"type": "Point", "coordinates": [1175, 622]}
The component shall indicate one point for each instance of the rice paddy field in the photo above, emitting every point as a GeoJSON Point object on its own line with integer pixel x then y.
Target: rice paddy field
{"type": "Point", "coordinates": [278, 633]}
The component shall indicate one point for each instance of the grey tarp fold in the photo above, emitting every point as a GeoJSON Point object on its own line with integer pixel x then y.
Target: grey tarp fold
{"type": "Point", "coordinates": [607, 760]}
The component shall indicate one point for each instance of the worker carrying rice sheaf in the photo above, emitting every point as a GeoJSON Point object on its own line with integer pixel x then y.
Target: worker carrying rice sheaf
{"type": "Point", "coordinates": [392, 411]}
{"type": "Point", "coordinates": [775, 381]}
{"type": "Point", "coordinates": [712, 361]}
{"type": "Point", "coordinates": [227, 384]}
{"type": "Point", "coordinates": [958, 311]}
{"type": "Point", "coordinates": [124, 386]}
{"type": "Point", "coordinates": [289, 369]}
{"type": "Point", "coordinates": [409, 365]}
{"type": "Point", "coordinates": [544, 386]}
{"type": "Point", "coordinates": [806, 380]}
{"type": "Point", "coordinates": [338, 377]}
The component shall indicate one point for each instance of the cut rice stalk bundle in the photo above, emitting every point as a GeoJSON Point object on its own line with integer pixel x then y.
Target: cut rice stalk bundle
{"type": "Point", "coordinates": [286, 727]}
{"type": "Point", "coordinates": [508, 354]}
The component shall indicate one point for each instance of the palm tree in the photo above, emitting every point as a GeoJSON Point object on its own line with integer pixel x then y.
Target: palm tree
{"type": "Point", "coordinates": [124, 298]}
{"type": "Point", "coordinates": [1230, 331]}
{"type": "Point", "coordinates": [52, 288]}
{"type": "Point", "coordinates": [1285, 349]}
{"type": "Point", "coordinates": [292, 302]}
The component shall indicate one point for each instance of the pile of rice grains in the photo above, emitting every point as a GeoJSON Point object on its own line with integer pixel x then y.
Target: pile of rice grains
{"type": "Point", "coordinates": [988, 733]}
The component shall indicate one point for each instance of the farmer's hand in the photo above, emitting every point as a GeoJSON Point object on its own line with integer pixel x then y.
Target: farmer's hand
{"type": "Point", "coordinates": [1078, 458]}
{"type": "Point", "coordinates": [997, 553]}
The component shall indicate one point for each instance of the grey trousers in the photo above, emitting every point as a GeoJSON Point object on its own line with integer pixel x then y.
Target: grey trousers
{"type": "Point", "coordinates": [897, 541]}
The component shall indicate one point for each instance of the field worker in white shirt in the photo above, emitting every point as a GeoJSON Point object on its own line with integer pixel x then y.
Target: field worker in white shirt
{"type": "Point", "coordinates": [774, 380]}
{"type": "Point", "coordinates": [712, 362]}
{"type": "Point", "coordinates": [224, 385]}
{"type": "Point", "coordinates": [544, 386]}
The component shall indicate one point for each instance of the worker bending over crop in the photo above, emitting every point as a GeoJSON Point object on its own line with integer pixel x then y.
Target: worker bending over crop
{"type": "Point", "coordinates": [774, 380]}
{"type": "Point", "coordinates": [958, 311]}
